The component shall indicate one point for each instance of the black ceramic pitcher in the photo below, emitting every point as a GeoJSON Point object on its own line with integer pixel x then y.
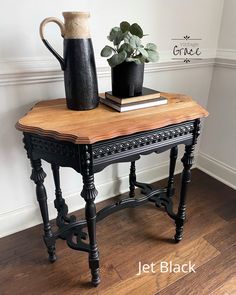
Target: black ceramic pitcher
{"type": "Point", "coordinates": [78, 63]}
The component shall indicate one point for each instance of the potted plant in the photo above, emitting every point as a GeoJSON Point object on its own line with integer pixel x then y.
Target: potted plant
{"type": "Point", "coordinates": [127, 57]}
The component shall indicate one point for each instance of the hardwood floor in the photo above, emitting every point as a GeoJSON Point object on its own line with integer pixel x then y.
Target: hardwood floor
{"type": "Point", "coordinates": [131, 236]}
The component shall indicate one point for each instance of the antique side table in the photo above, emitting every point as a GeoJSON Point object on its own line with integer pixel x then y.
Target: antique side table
{"type": "Point", "coordinates": [88, 141]}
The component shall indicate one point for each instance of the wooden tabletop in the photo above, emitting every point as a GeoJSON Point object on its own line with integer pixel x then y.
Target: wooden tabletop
{"type": "Point", "coordinates": [52, 118]}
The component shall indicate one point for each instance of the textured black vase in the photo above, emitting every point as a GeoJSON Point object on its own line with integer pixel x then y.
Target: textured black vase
{"type": "Point", "coordinates": [127, 79]}
{"type": "Point", "coordinates": [78, 64]}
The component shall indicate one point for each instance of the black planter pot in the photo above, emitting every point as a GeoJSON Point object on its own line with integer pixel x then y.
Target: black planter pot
{"type": "Point", "coordinates": [127, 79]}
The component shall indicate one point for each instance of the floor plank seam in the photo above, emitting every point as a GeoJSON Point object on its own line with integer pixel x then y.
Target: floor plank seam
{"type": "Point", "coordinates": [186, 275]}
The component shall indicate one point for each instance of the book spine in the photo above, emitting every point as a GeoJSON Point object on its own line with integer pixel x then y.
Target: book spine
{"type": "Point", "coordinates": [133, 107]}
{"type": "Point", "coordinates": [139, 99]}
{"type": "Point", "coordinates": [150, 101]}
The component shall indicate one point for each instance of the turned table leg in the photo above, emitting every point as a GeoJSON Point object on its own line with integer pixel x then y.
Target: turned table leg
{"type": "Point", "coordinates": [89, 194]}
{"type": "Point", "coordinates": [132, 180]}
{"type": "Point", "coordinates": [173, 158]}
{"type": "Point", "coordinates": [59, 202]}
{"type": "Point", "coordinates": [187, 161]}
{"type": "Point", "coordinates": [38, 176]}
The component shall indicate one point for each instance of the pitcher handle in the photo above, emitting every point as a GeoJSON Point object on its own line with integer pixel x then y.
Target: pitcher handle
{"type": "Point", "coordinates": [46, 43]}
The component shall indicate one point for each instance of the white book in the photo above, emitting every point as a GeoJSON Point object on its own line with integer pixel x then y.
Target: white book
{"type": "Point", "coordinates": [126, 108]}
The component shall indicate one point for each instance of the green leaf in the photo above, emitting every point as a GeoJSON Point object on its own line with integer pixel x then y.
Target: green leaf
{"type": "Point", "coordinates": [143, 52]}
{"type": "Point", "coordinates": [133, 59]}
{"type": "Point", "coordinates": [138, 61]}
{"type": "Point", "coordinates": [127, 48]}
{"type": "Point", "coordinates": [142, 58]}
{"type": "Point", "coordinates": [152, 56]}
{"type": "Point", "coordinates": [116, 36]}
{"type": "Point", "coordinates": [133, 41]}
{"type": "Point", "coordinates": [113, 33]}
{"type": "Point", "coordinates": [124, 26]}
{"type": "Point", "coordinates": [127, 34]}
{"type": "Point", "coordinates": [107, 51]}
{"type": "Point", "coordinates": [151, 46]}
{"type": "Point", "coordinates": [136, 30]}
{"type": "Point", "coordinates": [117, 59]}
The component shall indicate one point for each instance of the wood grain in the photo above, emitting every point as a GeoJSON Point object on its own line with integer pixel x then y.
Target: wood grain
{"type": "Point", "coordinates": [51, 118]}
{"type": "Point", "coordinates": [198, 252]}
{"type": "Point", "coordinates": [124, 239]}
{"type": "Point", "coordinates": [210, 277]}
{"type": "Point", "coordinates": [224, 237]}
{"type": "Point", "coordinates": [229, 288]}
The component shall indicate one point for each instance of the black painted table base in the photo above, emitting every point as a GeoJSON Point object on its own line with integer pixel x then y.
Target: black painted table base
{"type": "Point", "coordinates": [88, 159]}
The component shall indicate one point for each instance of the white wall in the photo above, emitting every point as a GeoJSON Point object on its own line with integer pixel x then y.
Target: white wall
{"type": "Point", "coordinates": [161, 19]}
{"type": "Point", "coordinates": [217, 151]}
{"type": "Point", "coordinates": [227, 37]}
{"type": "Point", "coordinates": [29, 73]}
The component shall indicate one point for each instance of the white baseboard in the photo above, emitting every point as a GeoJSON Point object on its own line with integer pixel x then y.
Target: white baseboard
{"type": "Point", "coordinates": [217, 169]}
{"type": "Point", "coordinates": [28, 216]}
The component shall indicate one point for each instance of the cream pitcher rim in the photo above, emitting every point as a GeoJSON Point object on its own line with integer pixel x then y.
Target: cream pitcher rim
{"type": "Point", "coordinates": [76, 13]}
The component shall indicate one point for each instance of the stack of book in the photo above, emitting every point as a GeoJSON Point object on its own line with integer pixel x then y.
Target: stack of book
{"type": "Point", "coordinates": [148, 98]}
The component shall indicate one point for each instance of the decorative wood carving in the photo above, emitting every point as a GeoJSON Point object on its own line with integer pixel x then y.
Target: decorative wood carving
{"type": "Point", "coordinates": [137, 141]}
